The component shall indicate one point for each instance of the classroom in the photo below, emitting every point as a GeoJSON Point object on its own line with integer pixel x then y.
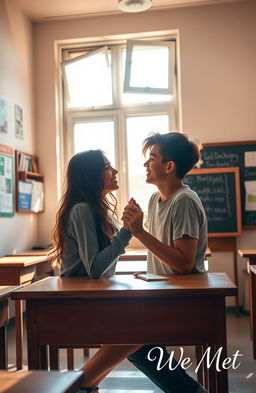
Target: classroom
{"type": "Point", "coordinates": [50, 110]}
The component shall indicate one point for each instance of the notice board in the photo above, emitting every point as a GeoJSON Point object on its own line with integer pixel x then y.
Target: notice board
{"type": "Point", "coordinates": [242, 155]}
{"type": "Point", "coordinates": [219, 191]}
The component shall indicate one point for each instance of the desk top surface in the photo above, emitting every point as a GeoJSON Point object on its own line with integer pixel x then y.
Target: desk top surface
{"type": "Point", "coordinates": [247, 253]}
{"type": "Point", "coordinates": [40, 381]}
{"type": "Point", "coordinates": [127, 286]}
{"type": "Point", "coordinates": [6, 290]}
{"type": "Point", "coordinates": [22, 261]}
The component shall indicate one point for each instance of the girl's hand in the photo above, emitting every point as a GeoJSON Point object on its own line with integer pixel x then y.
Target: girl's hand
{"type": "Point", "coordinates": [133, 217]}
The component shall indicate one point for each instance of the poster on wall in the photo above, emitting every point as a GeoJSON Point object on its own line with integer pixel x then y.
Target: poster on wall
{"type": "Point", "coordinates": [3, 116]}
{"type": "Point", "coordinates": [6, 181]}
{"type": "Point", "coordinates": [18, 113]}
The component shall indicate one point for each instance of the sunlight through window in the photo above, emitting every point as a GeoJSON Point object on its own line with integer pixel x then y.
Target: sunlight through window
{"type": "Point", "coordinates": [95, 135]}
{"type": "Point", "coordinates": [139, 128]}
{"type": "Point", "coordinates": [88, 79]}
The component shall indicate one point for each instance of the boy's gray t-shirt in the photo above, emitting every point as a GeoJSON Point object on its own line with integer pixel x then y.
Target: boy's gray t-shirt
{"type": "Point", "coordinates": [169, 220]}
{"type": "Point", "coordinates": [81, 254]}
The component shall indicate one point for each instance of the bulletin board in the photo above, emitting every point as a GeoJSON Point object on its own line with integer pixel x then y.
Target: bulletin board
{"type": "Point", "coordinates": [240, 154]}
{"type": "Point", "coordinates": [6, 181]}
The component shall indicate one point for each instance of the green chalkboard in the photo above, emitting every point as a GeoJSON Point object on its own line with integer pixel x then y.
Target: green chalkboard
{"type": "Point", "coordinates": [218, 189]}
{"type": "Point", "coordinates": [236, 154]}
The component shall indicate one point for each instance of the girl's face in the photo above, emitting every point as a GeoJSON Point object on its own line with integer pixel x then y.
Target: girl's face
{"type": "Point", "coordinates": [110, 180]}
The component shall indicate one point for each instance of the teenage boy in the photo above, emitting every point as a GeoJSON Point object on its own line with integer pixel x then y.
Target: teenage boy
{"type": "Point", "coordinates": [176, 238]}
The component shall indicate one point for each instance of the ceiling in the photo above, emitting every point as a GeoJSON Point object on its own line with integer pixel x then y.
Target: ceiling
{"type": "Point", "coordinates": [39, 10]}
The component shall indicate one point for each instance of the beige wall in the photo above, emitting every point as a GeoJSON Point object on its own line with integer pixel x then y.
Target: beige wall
{"type": "Point", "coordinates": [218, 62]}
{"type": "Point", "coordinates": [16, 85]}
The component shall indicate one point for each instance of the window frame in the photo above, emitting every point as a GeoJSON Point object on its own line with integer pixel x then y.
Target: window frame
{"type": "Point", "coordinates": [93, 52]}
{"type": "Point", "coordinates": [128, 67]}
{"type": "Point", "coordinates": [64, 114]}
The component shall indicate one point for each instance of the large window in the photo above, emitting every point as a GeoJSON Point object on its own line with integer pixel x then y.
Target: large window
{"type": "Point", "coordinates": [115, 96]}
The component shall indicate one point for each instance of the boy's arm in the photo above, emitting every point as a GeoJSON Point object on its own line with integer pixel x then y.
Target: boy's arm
{"type": "Point", "coordinates": [181, 257]}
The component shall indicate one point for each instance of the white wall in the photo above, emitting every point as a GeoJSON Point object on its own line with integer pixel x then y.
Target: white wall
{"type": "Point", "coordinates": [218, 82]}
{"type": "Point", "coordinates": [16, 85]}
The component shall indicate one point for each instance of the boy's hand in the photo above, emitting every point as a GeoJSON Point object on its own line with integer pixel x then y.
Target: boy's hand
{"type": "Point", "coordinates": [133, 217]}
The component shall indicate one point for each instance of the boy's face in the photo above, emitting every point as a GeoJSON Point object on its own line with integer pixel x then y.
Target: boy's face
{"type": "Point", "coordinates": [155, 168]}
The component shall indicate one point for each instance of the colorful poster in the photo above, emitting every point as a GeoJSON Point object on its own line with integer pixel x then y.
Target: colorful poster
{"type": "Point", "coordinates": [3, 115]}
{"type": "Point", "coordinates": [6, 181]}
{"type": "Point", "coordinates": [18, 122]}
{"type": "Point", "coordinates": [25, 195]}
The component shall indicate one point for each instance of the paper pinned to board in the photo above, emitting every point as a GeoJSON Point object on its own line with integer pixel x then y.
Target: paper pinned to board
{"type": "Point", "coordinates": [37, 201]}
{"type": "Point", "coordinates": [25, 195]}
{"type": "Point", "coordinates": [249, 159]}
{"type": "Point", "coordinates": [250, 195]}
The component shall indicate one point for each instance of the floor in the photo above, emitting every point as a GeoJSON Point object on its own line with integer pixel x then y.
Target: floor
{"type": "Point", "coordinates": [125, 378]}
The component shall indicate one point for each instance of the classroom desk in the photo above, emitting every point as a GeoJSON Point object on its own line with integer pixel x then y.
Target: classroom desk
{"type": "Point", "coordinates": [250, 256]}
{"type": "Point", "coordinates": [40, 382]}
{"type": "Point", "coordinates": [125, 310]}
{"type": "Point", "coordinates": [5, 293]}
{"type": "Point", "coordinates": [22, 270]}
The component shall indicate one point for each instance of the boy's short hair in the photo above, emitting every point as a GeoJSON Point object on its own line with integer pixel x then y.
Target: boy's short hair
{"type": "Point", "coordinates": [176, 147]}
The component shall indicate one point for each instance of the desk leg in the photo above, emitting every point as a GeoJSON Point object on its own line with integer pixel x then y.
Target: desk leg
{"type": "Point", "coordinates": [3, 346]}
{"type": "Point", "coordinates": [211, 374]}
{"type": "Point", "coordinates": [54, 357]}
{"type": "Point", "coordinates": [19, 333]}
{"type": "Point", "coordinates": [252, 279]}
{"type": "Point", "coordinates": [200, 373]}
{"type": "Point", "coordinates": [221, 342]}
{"type": "Point", "coordinates": [35, 352]}
{"type": "Point", "coordinates": [3, 336]}
{"type": "Point", "coordinates": [43, 357]}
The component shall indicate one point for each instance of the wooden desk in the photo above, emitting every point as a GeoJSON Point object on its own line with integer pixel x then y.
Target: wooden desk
{"type": "Point", "coordinates": [125, 310]}
{"type": "Point", "coordinates": [32, 253]}
{"type": "Point", "coordinates": [5, 293]}
{"type": "Point", "coordinates": [250, 256]}
{"type": "Point", "coordinates": [22, 270]}
{"type": "Point", "coordinates": [40, 382]}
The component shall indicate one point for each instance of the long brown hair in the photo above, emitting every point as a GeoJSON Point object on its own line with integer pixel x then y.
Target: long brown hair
{"type": "Point", "coordinates": [84, 183]}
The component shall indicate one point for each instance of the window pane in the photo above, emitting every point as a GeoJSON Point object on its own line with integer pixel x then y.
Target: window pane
{"type": "Point", "coordinates": [89, 80]}
{"type": "Point", "coordinates": [150, 67]}
{"type": "Point", "coordinates": [95, 135]}
{"type": "Point", "coordinates": [136, 98]}
{"type": "Point", "coordinates": [139, 128]}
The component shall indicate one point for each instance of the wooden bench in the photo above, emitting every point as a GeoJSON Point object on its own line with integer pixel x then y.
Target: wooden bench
{"type": "Point", "coordinates": [40, 382]}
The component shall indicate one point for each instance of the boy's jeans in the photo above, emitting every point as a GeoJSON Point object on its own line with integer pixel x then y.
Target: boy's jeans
{"type": "Point", "coordinates": [169, 381]}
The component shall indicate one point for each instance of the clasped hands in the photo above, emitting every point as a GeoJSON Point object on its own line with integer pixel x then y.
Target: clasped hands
{"type": "Point", "coordinates": [133, 217]}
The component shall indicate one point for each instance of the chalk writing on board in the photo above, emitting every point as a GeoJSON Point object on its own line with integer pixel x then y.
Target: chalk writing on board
{"type": "Point", "coordinates": [213, 190]}
{"type": "Point", "coordinates": [221, 159]}
{"type": "Point", "coordinates": [250, 172]}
